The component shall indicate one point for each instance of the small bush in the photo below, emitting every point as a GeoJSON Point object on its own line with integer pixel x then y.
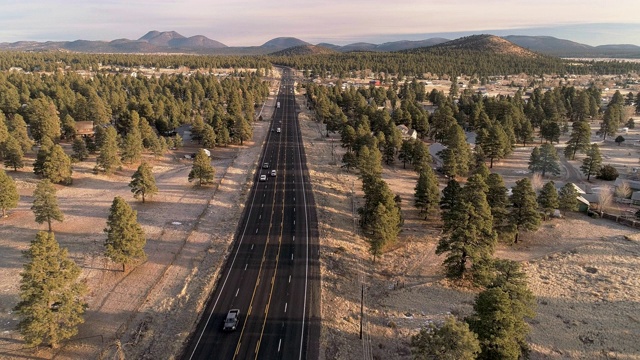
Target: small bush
{"type": "Point", "coordinates": [608, 173]}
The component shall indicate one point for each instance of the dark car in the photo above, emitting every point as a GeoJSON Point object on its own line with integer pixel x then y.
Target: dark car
{"type": "Point", "coordinates": [265, 165]}
{"type": "Point", "coordinates": [231, 321]}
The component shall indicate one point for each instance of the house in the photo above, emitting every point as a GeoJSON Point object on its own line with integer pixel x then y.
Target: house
{"type": "Point", "coordinates": [374, 82]}
{"type": "Point", "coordinates": [85, 128]}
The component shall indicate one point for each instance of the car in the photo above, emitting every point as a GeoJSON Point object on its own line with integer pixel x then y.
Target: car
{"type": "Point", "coordinates": [273, 173]}
{"type": "Point", "coordinates": [263, 177]}
{"type": "Point", "coordinates": [265, 165]}
{"type": "Point", "coordinates": [278, 130]}
{"type": "Point", "coordinates": [231, 321]}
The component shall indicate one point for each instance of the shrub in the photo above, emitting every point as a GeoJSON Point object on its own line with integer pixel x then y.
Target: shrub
{"type": "Point", "coordinates": [608, 173]}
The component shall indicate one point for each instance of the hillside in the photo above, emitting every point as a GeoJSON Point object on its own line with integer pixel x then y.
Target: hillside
{"type": "Point", "coordinates": [484, 43]}
{"type": "Point", "coordinates": [282, 43]}
{"type": "Point", "coordinates": [304, 50]}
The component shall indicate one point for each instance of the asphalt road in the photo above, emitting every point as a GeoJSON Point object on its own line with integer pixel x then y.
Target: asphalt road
{"type": "Point", "coordinates": [272, 274]}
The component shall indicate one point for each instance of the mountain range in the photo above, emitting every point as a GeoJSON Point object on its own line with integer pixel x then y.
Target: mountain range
{"type": "Point", "coordinates": [173, 42]}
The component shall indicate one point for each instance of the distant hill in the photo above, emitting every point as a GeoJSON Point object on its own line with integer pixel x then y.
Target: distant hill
{"type": "Point", "coordinates": [484, 43]}
{"type": "Point", "coordinates": [304, 50]}
{"type": "Point", "coordinates": [282, 43]}
{"type": "Point", "coordinates": [385, 47]}
{"type": "Point", "coordinates": [566, 48]}
{"type": "Point", "coordinates": [172, 42]}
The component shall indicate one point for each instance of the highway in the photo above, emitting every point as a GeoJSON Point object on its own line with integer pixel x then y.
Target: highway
{"type": "Point", "coordinates": [272, 273]}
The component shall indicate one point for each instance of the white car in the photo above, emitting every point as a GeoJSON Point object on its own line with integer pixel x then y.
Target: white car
{"type": "Point", "coordinates": [273, 173]}
{"type": "Point", "coordinates": [263, 177]}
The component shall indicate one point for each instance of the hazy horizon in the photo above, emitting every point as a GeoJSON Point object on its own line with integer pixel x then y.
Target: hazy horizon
{"type": "Point", "coordinates": [251, 23]}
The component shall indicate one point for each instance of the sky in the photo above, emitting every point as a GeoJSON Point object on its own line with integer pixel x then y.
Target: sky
{"type": "Point", "coordinates": [340, 22]}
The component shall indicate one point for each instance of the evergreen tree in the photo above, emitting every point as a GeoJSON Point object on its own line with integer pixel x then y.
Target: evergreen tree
{"type": "Point", "coordinates": [383, 229]}
{"type": "Point", "coordinates": [43, 154]}
{"type": "Point", "coordinates": [550, 131]}
{"type": "Point", "coordinates": [449, 203]}
{"type": "Point", "coordinates": [427, 193]}
{"type": "Point", "coordinates": [568, 198]}
{"type": "Point", "coordinates": [57, 166]}
{"type": "Point", "coordinates": [8, 193]}
{"type": "Point", "coordinates": [501, 312]}
{"type": "Point", "coordinates": [202, 169]}
{"type": "Point", "coordinates": [51, 305]}
{"type": "Point", "coordinates": [580, 139]}
{"type": "Point", "coordinates": [545, 159]}
{"type": "Point", "coordinates": [472, 237]}
{"type": "Point", "coordinates": [125, 238]}
{"type": "Point", "coordinates": [456, 158]}
{"type": "Point", "coordinates": [619, 140]}
{"type": "Point", "coordinates": [495, 143]}
{"type": "Point", "coordinates": [18, 130]}
{"type": "Point", "coordinates": [222, 137]}
{"type": "Point", "coordinates": [80, 152]}
{"type": "Point", "coordinates": [132, 147]}
{"type": "Point", "coordinates": [242, 129]}
{"type": "Point", "coordinates": [524, 132]}
{"type": "Point", "coordinates": [548, 198]}
{"type": "Point", "coordinates": [349, 160]}
{"type": "Point", "coordinates": [43, 118]}
{"type": "Point", "coordinates": [451, 341]}
{"type": "Point", "coordinates": [421, 156]}
{"type": "Point", "coordinates": [13, 155]}
{"type": "Point", "coordinates": [498, 201]}
{"type": "Point", "coordinates": [406, 152]}
{"type": "Point", "coordinates": [524, 211]}
{"type": "Point", "coordinates": [143, 184]}
{"type": "Point", "coordinates": [108, 158]}
{"type": "Point", "coordinates": [592, 163]}
{"type": "Point", "coordinates": [45, 203]}
{"type": "Point", "coordinates": [208, 137]}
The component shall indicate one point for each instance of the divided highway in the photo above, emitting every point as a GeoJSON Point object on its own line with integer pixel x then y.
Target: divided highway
{"type": "Point", "coordinates": [272, 274]}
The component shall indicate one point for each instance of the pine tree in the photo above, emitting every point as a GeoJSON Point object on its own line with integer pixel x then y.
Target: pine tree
{"type": "Point", "coordinates": [202, 169]}
{"type": "Point", "coordinates": [524, 212]}
{"type": "Point", "coordinates": [383, 228]}
{"type": "Point", "coordinates": [13, 155]}
{"type": "Point", "coordinates": [80, 152]}
{"type": "Point", "coordinates": [592, 163]}
{"type": "Point", "coordinates": [349, 160]}
{"type": "Point", "coordinates": [449, 203]}
{"type": "Point", "coordinates": [43, 118]}
{"type": "Point", "coordinates": [208, 137]}
{"type": "Point", "coordinates": [143, 184]}
{"type": "Point", "coordinates": [132, 147]}
{"type": "Point", "coordinates": [42, 156]}
{"type": "Point", "coordinates": [8, 193]}
{"type": "Point", "coordinates": [472, 237]}
{"type": "Point", "coordinates": [125, 238]}
{"type": "Point", "coordinates": [451, 341]}
{"type": "Point", "coordinates": [108, 158]}
{"type": "Point", "coordinates": [498, 201]}
{"type": "Point", "coordinates": [568, 198]}
{"type": "Point", "coordinates": [51, 305]}
{"type": "Point", "coordinates": [45, 203]}
{"type": "Point", "coordinates": [545, 159]}
{"type": "Point", "coordinates": [57, 166]}
{"type": "Point", "coordinates": [457, 157]}
{"type": "Point", "coordinates": [501, 312]}
{"type": "Point", "coordinates": [427, 193]}
{"type": "Point", "coordinates": [18, 130]}
{"type": "Point", "coordinates": [406, 151]}
{"type": "Point", "coordinates": [495, 144]}
{"type": "Point", "coordinates": [579, 140]}
{"type": "Point", "coordinates": [548, 198]}
{"type": "Point", "coordinates": [242, 129]}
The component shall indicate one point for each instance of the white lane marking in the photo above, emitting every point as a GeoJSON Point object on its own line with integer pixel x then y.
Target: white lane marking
{"type": "Point", "coordinates": [260, 217]}
{"type": "Point", "coordinates": [256, 230]}
{"type": "Point", "coordinates": [252, 246]}
{"type": "Point", "coordinates": [289, 279]}
{"type": "Point", "coordinates": [238, 292]}
{"type": "Point", "coordinates": [291, 256]}
{"type": "Point", "coordinates": [279, 343]}
{"type": "Point", "coordinates": [294, 238]}
{"type": "Point", "coordinates": [245, 266]}
{"type": "Point", "coordinates": [285, 307]}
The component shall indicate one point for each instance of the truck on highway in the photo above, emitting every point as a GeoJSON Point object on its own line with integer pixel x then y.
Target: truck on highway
{"type": "Point", "coordinates": [231, 321]}
{"type": "Point", "coordinates": [278, 104]}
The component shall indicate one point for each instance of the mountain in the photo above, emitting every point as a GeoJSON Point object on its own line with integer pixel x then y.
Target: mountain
{"type": "Point", "coordinates": [566, 48]}
{"type": "Point", "coordinates": [304, 50]}
{"type": "Point", "coordinates": [385, 47]}
{"type": "Point", "coordinates": [281, 43]}
{"type": "Point", "coordinates": [483, 43]}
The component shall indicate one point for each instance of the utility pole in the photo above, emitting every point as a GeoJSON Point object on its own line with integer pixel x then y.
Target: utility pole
{"type": "Point", "coordinates": [361, 309]}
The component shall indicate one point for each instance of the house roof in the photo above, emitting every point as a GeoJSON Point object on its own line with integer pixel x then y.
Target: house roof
{"type": "Point", "coordinates": [84, 127]}
{"type": "Point", "coordinates": [635, 185]}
